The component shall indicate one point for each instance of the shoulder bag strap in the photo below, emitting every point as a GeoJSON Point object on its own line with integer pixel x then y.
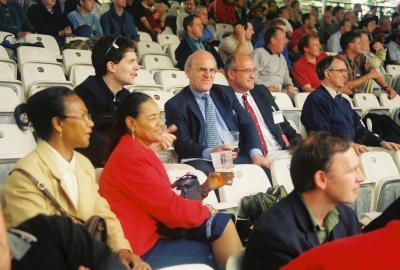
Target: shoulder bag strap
{"type": "Point", "coordinates": [46, 192]}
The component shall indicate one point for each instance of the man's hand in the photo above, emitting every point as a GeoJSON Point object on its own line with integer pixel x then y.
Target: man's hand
{"type": "Point", "coordinates": [373, 74]}
{"type": "Point", "coordinates": [390, 145]}
{"type": "Point", "coordinates": [129, 259]}
{"type": "Point", "coordinates": [359, 148]}
{"type": "Point", "coordinates": [225, 148]}
{"type": "Point", "coordinates": [273, 88]}
{"type": "Point", "coordinates": [166, 141]}
{"type": "Point", "coordinates": [261, 161]}
{"type": "Point", "coordinates": [390, 92]}
{"type": "Point", "coordinates": [240, 32]}
{"type": "Point", "coordinates": [291, 89]}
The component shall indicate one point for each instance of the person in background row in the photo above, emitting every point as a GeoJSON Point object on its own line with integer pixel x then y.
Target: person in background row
{"type": "Point", "coordinates": [140, 11]}
{"type": "Point", "coordinates": [47, 19]}
{"type": "Point", "coordinates": [182, 14]}
{"type": "Point", "coordinates": [284, 15]}
{"type": "Point", "coordinates": [84, 16]}
{"type": "Point", "coordinates": [137, 186]}
{"type": "Point", "coordinates": [117, 21]}
{"type": "Point", "coordinates": [209, 32]}
{"type": "Point", "coordinates": [68, 176]}
{"type": "Point", "coordinates": [14, 20]}
{"type": "Point", "coordinates": [157, 18]}
{"type": "Point", "coordinates": [308, 27]}
{"type": "Point", "coordinates": [326, 28]}
{"type": "Point", "coordinates": [333, 44]}
{"type": "Point", "coordinates": [326, 175]}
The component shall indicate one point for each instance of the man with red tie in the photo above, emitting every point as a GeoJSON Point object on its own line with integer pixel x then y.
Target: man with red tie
{"type": "Point", "coordinates": [274, 131]}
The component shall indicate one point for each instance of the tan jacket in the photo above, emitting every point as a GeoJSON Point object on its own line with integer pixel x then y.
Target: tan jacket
{"type": "Point", "coordinates": [23, 200]}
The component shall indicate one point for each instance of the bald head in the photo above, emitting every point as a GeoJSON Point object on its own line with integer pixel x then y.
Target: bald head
{"type": "Point", "coordinates": [200, 67]}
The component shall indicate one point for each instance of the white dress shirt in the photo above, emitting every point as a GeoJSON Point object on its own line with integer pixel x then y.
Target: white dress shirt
{"type": "Point", "coordinates": [68, 176]}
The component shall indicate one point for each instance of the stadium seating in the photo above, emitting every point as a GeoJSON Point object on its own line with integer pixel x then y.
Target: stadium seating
{"type": "Point", "coordinates": [8, 36]}
{"type": "Point", "coordinates": [28, 54]}
{"type": "Point", "coordinates": [223, 29]}
{"type": "Point", "coordinates": [171, 80]}
{"type": "Point", "coordinates": [220, 79]}
{"type": "Point", "coordinates": [235, 261]}
{"type": "Point", "coordinates": [49, 42]}
{"type": "Point", "coordinates": [160, 97]}
{"type": "Point", "coordinates": [282, 100]}
{"type": "Point", "coordinates": [153, 62]}
{"type": "Point", "coordinates": [166, 39]}
{"type": "Point", "coordinates": [143, 81]}
{"type": "Point", "coordinates": [73, 57]}
{"type": "Point", "coordinates": [369, 103]}
{"type": "Point", "coordinates": [170, 51]}
{"type": "Point", "coordinates": [300, 98]}
{"type": "Point", "coordinates": [144, 36]}
{"type": "Point", "coordinates": [280, 172]}
{"type": "Point", "coordinates": [5, 58]}
{"type": "Point", "coordinates": [148, 47]}
{"type": "Point", "coordinates": [79, 73]}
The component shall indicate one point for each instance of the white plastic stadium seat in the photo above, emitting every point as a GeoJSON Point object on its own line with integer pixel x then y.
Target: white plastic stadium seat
{"type": "Point", "coordinates": [188, 267]}
{"type": "Point", "coordinates": [153, 62]}
{"type": "Point", "coordinates": [222, 29]}
{"type": "Point", "coordinates": [393, 70]}
{"type": "Point", "coordinates": [377, 165]}
{"type": "Point", "coordinates": [235, 261]}
{"type": "Point", "coordinates": [37, 76]}
{"type": "Point", "coordinates": [170, 51]}
{"type": "Point", "coordinates": [11, 94]}
{"type": "Point", "coordinates": [220, 79]}
{"type": "Point", "coordinates": [391, 104]}
{"type": "Point", "coordinates": [280, 172]}
{"type": "Point", "coordinates": [171, 80]}
{"type": "Point", "coordinates": [28, 54]}
{"type": "Point", "coordinates": [48, 41]}
{"type": "Point", "coordinates": [5, 58]}
{"type": "Point", "coordinates": [144, 36]}
{"type": "Point", "coordinates": [15, 143]}
{"type": "Point", "coordinates": [300, 98]}
{"type": "Point", "coordinates": [8, 36]}
{"type": "Point", "coordinates": [73, 57]}
{"type": "Point", "coordinates": [8, 71]}
{"type": "Point", "coordinates": [160, 97]}
{"type": "Point", "coordinates": [249, 179]}
{"type": "Point", "coordinates": [282, 100]}
{"type": "Point", "coordinates": [143, 81]}
{"type": "Point", "coordinates": [166, 39]}
{"type": "Point", "coordinates": [79, 73]}
{"type": "Point", "coordinates": [148, 47]}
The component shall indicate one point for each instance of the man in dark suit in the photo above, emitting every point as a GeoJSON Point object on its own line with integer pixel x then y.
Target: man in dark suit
{"type": "Point", "coordinates": [204, 113]}
{"type": "Point", "coordinates": [325, 175]}
{"type": "Point", "coordinates": [192, 41]}
{"type": "Point", "coordinates": [275, 132]}
{"type": "Point", "coordinates": [325, 108]}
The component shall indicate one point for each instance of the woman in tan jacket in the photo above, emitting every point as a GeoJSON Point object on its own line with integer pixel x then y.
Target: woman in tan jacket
{"type": "Point", "coordinates": [62, 123]}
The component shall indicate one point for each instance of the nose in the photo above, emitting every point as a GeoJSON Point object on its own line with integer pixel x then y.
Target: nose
{"type": "Point", "coordinates": [90, 123]}
{"type": "Point", "coordinates": [360, 177]}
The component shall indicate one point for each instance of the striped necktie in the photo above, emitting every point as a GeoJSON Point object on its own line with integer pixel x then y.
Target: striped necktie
{"type": "Point", "coordinates": [212, 138]}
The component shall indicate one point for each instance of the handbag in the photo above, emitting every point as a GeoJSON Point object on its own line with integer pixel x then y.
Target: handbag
{"type": "Point", "coordinates": [95, 225]}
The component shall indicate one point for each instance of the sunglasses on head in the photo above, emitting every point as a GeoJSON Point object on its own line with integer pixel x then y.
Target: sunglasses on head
{"type": "Point", "coordinates": [112, 45]}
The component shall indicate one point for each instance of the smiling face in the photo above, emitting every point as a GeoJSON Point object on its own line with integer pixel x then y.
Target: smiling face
{"type": "Point", "coordinates": [314, 47]}
{"type": "Point", "coordinates": [77, 125]}
{"type": "Point", "coordinates": [242, 77]}
{"type": "Point", "coordinates": [124, 73]}
{"type": "Point", "coordinates": [202, 71]}
{"type": "Point", "coordinates": [337, 75]}
{"type": "Point", "coordinates": [343, 178]}
{"type": "Point", "coordinates": [148, 125]}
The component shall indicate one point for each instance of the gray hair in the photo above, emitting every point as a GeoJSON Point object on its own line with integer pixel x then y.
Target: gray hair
{"type": "Point", "coordinates": [230, 63]}
{"type": "Point", "coordinates": [196, 9]}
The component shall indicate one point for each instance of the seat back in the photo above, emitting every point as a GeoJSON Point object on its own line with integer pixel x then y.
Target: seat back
{"type": "Point", "coordinates": [393, 103]}
{"type": "Point", "coordinates": [282, 100]}
{"type": "Point", "coordinates": [48, 41]}
{"type": "Point", "coordinates": [220, 79]}
{"type": "Point", "coordinates": [223, 28]}
{"type": "Point", "coordinates": [80, 72]}
{"type": "Point", "coordinates": [143, 81]}
{"type": "Point", "coordinates": [280, 173]}
{"type": "Point", "coordinates": [300, 98]}
{"type": "Point", "coordinates": [28, 54]}
{"type": "Point", "coordinates": [6, 165]}
{"type": "Point", "coordinates": [73, 57]}
{"type": "Point", "coordinates": [377, 165]}
{"type": "Point", "coordinates": [11, 94]}
{"type": "Point", "coordinates": [366, 100]}
{"type": "Point", "coordinates": [153, 62]}
{"type": "Point", "coordinates": [144, 36]}
{"type": "Point", "coordinates": [166, 39]}
{"type": "Point", "coordinates": [15, 143]}
{"type": "Point", "coordinates": [249, 179]}
{"type": "Point", "coordinates": [170, 51]}
{"type": "Point", "coordinates": [393, 70]}
{"type": "Point", "coordinates": [387, 191]}
{"type": "Point", "coordinates": [8, 70]}
{"type": "Point", "coordinates": [365, 199]}
{"type": "Point", "coordinates": [148, 47]}
{"type": "Point", "coordinates": [171, 80]}
{"type": "Point", "coordinates": [8, 36]}
{"type": "Point", "coordinates": [3, 52]}
{"type": "Point", "coordinates": [160, 97]}
{"type": "Point", "coordinates": [235, 261]}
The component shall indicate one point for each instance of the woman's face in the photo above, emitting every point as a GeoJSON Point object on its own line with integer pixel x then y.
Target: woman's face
{"type": "Point", "coordinates": [76, 126]}
{"type": "Point", "coordinates": [148, 126]}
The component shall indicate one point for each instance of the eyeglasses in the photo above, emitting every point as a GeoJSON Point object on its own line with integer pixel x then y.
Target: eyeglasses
{"type": "Point", "coordinates": [342, 71]}
{"type": "Point", "coordinates": [87, 117]}
{"type": "Point", "coordinates": [207, 70]}
{"type": "Point", "coordinates": [113, 45]}
{"type": "Point", "coordinates": [247, 70]}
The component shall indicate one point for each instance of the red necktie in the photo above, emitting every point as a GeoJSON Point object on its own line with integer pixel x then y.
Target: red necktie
{"type": "Point", "coordinates": [250, 110]}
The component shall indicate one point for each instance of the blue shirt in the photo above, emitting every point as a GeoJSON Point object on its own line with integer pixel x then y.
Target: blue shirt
{"type": "Point", "coordinates": [91, 19]}
{"type": "Point", "coordinates": [219, 121]}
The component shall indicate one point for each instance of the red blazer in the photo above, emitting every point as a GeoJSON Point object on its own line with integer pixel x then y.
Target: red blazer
{"type": "Point", "coordinates": [138, 189]}
{"type": "Point", "coordinates": [374, 250]}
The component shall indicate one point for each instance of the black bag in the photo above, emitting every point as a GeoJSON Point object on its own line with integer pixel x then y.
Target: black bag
{"type": "Point", "coordinates": [384, 126]}
{"type": "Point", "coordinates": [95, 225]}
{"type": "Point", "coordinates": [253, 206]}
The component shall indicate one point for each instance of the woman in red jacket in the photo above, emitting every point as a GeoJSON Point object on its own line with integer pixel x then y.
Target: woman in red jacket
{"type": "Point", "coordinates": [139, 192]}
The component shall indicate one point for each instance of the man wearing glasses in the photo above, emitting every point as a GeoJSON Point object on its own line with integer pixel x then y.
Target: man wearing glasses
{"type": "Point", "coordinates": [115, 64]}
{"type": "Point", "coordinates": [326, 110]}
{"type": "Point", "coordinates": [274, 131]}
{"type": "Point", "coordinates": [204, 112]}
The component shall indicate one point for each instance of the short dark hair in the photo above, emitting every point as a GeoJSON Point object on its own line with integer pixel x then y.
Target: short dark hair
{"type": "Point", "coordinates": [336, 10]}
{"type": "Point", "coordinates": [305, 17]}
{"type": "Point", "coordinates": [305, 41]}
{"type": "Point", "coordinates": [313, 154]}
{"type": "Point", "coordinates": [104, 51]}
{"type": "Point", "coordinates": [343, 22]}
{"type": "Point", "coordinates": [364, 22]}
{"type": "Point", "coordinates": [270, 33]}
{"type": "Point", "coordinates": [324, 65]}
{"type": "Point", "coordinates": [282, 9]}
{"type": "Point", "coordinates": [243, 23]}
{"type": "Point", "coordinates": [130, 106]}
{"type": "Point", "coordinates": [40, 108]}
{"type": "Point", "coordinates": [348, 38]}
{"type": "Point", "coordinates": [188, 20]}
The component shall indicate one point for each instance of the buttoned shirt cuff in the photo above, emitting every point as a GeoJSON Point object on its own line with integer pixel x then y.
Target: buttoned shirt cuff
{"type": "Point", "coordinates": [206, 154]}
{"type": "Point", "coordinates": [255, 151]}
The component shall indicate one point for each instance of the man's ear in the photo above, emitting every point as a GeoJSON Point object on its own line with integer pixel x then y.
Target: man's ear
{"type": "Point", "coordinates": [111, 67]}
{"type": "Point", "coordinates": [230, 74]}
{"type": "Point", "coordinates": [320, 179]}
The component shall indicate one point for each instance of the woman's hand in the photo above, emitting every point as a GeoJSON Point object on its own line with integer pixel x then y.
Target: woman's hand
{"type": "Point", "coordinates": [166, 141]}
{"type": "Point", "coordinates": [132, 261]}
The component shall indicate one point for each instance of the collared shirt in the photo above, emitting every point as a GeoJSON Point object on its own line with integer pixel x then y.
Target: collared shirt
{"type": "Point", "coordinates": [222, 128]}
{"type": "Point", "coordinates": [331, 91]}
{"type": "Point", "coordinates": [394, 51]}
{"type": "Point", "coordinates": [304, 72]}
{"type": "Point", "coordinates": [272, 143]}
{"type": "Point", "coordinates": [333, 44]}
{"type": "Point", "coordinates": [330, 221]}
{"type": "Point", "coordinates": [356, 68]}
{"type": "Point", "coordinates": [68, 174]}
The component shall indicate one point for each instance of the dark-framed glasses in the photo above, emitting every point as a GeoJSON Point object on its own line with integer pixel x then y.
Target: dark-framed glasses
{"type": "Point", "coordinates": [342, 71]}
{"type": "Point", "coordinates": [87, 117]}
{"type": "Point", "coordinates": [246, 70]}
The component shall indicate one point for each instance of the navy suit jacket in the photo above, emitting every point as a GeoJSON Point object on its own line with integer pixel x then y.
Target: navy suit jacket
{"type": "Point", "coordinates": [285, 231]}
{"type": "Point", "coordinates": [183, 111]}
{"type": "Point", "coordinates": [322, 113]}
{"type": "Point", "coordinates": [265, 101]}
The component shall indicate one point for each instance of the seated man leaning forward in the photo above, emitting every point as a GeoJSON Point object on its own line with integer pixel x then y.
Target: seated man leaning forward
{"type": "Point", "coordinates": [325, 175]}
{"type": "Point", "coordinates": [205, 112]}
{"type": "Point", "coordinates": [326, 109]}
